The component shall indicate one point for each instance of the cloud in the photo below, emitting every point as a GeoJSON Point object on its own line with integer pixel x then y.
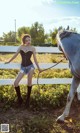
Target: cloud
{"type": "Point", "coordinates": [48, 1]}
{"type": "Point", "coordinates": [73, 22]}
{"type": "Point", "coordinates": [65, 19]}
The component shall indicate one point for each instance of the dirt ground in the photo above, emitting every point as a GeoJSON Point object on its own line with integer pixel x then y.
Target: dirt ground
{"type": "Point", "coordinates": [19, 118]}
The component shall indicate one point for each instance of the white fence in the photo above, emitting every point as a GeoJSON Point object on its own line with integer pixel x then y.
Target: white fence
{"type": "Point", "coordinates": [52, 50]}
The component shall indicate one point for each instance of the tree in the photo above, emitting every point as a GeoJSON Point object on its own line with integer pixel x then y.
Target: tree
{"type": "Point", "coordinates": [48, 38]}
{"type": "Point", "coordinates": [37, 33]}
{"type": "Point", "coordinates": [1, 39]}
{"type": "Point", "coordinates": [53, 35]}
{"type": "Point", "coordinates": [9, 37]}
{"type": "Point", "coordinates": [22, 30]}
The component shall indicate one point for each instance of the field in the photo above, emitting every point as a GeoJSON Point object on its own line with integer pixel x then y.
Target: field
{"type": "Point", "coordinates": [46, 104]}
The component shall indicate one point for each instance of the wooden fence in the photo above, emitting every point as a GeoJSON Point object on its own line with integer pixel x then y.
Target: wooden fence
{"type": "Point", "coordinates": [52, 50]}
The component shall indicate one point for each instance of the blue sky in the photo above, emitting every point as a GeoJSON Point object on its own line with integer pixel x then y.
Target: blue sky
{"type": "Point", "coordinates": [51, 13]}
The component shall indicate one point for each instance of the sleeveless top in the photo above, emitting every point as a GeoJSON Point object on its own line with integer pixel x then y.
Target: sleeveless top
{"type": "Point", "coordinates": [26, 58]}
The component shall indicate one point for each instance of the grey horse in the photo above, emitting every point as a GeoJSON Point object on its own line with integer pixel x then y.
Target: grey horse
{"type": "Point", "coordinates": [69, 43]}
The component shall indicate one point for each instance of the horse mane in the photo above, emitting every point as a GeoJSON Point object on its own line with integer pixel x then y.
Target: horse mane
{"type": "Point", "coordinates": [64, 33]}
{"type": "Point", "coordinates": [58, 40]}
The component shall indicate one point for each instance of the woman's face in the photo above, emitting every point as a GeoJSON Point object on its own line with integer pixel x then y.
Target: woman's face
{"type": "Point", "coordinates": [28, 41]}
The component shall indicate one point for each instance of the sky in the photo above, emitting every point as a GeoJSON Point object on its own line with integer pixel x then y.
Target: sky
{"type": "Point", "coordinates": [50, 13]}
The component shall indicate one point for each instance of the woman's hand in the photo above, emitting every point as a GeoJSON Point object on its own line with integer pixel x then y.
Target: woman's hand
{"type": "Point", "coordinates": [6, 62]}
{"type": "Point", "coordinates": [40, 70]}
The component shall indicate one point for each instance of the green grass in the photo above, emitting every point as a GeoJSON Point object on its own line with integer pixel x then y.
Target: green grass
{"type": "Point", "coordinates": [45, 106]}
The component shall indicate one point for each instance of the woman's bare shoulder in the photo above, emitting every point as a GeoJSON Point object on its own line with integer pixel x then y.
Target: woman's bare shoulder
{"type": "Point", "coordinates": [20, 46]}
{"type": "Point", "coordinates": [33, 48]}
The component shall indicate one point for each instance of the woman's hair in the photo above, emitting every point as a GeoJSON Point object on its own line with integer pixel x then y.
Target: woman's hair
{"type": "Point", "coordinates": [24, 36]}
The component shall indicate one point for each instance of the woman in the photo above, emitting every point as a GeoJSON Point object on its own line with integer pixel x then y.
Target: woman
{"type": "Point", "coordinates": [27, 67]}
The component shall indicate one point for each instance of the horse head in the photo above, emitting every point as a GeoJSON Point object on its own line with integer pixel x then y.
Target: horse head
{"type": "Point", "coordinates": [62, 33]}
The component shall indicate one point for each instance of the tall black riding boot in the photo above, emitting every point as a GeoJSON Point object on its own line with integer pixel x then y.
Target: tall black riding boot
{"type": "Point", "coordinates": [28, 96]}
{"type": "Point", "coordinates": [20, 100]}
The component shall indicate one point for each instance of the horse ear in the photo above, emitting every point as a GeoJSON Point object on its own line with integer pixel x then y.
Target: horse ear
{"type": "Point", "coordinates": [59, 29]}
{"type": "Point", "coordinates": [67, 27]}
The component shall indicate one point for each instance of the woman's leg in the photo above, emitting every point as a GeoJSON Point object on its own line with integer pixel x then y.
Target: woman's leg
{"type": "Point", "coordinates": [30, 74]}
{"type": "Point", "coordinates": [18, 78]}
{"type": "Point", "coordinates": [17, 88]}
{"type": "Point", "coordinates": [29, 85]}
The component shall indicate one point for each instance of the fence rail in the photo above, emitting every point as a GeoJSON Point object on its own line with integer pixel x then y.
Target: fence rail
{"type": "Point", "coordinates": [13, 49]}
{"type": "Point", "coordinates": [52, 50]}
{"type": "Point", "coordinates": [42, 65]}
{"type": "Point", "coordinates": [41, 81]}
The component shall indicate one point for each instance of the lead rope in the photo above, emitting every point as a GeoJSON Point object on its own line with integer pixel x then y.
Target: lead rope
{"type": "Point", "coordinates": [47, 69]}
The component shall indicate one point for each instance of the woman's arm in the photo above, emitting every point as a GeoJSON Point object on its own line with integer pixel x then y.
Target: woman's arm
{"type": "Point", "coordinates": [14, 56]}
{"type": "Point", "coordinates": [35, 59]}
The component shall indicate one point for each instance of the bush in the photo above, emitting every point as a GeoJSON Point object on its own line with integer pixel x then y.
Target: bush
{"type": "Point", "coordinates": [47, 97]}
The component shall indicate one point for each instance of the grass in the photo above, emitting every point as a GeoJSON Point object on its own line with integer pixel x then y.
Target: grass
{"type": "Point", "coordinates": [22, 120]}
{"type": "Point", "coordinates": [45, 106]}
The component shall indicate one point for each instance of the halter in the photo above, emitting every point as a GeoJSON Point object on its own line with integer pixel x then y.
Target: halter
{"type": "Point", "coordinates": [65, 34]}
